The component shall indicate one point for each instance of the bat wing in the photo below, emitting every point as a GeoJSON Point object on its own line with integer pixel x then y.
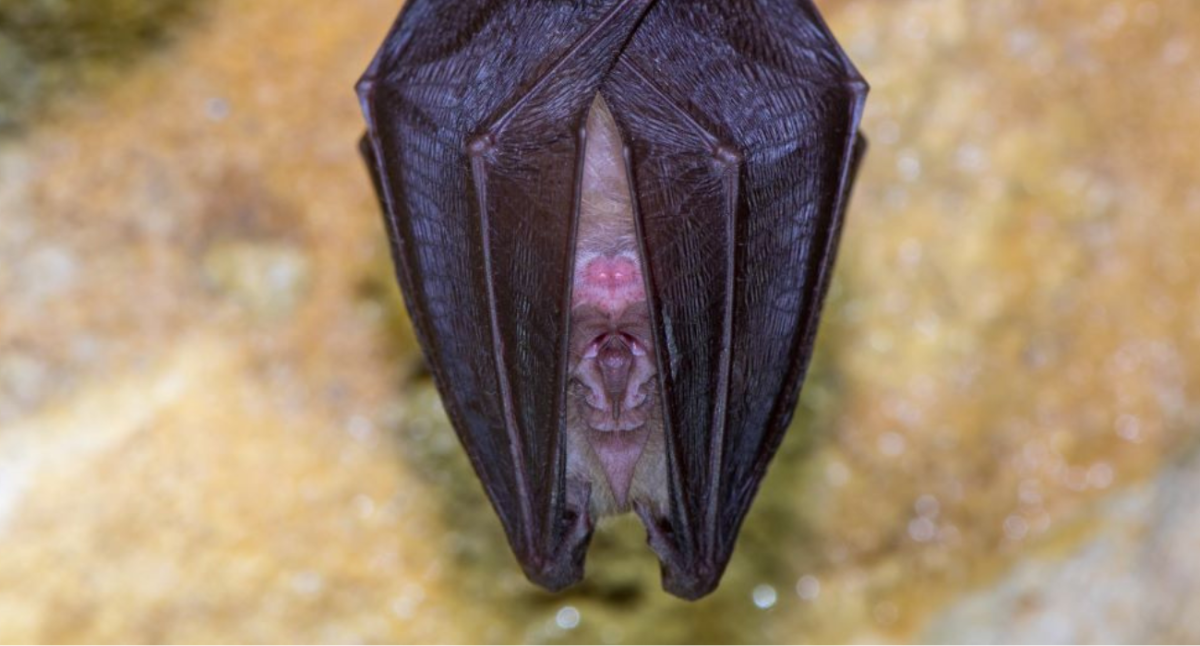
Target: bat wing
{"type": "Point", "coordinates": [740, 120]}
{"type": "Point", "coordinates": [474, 112]}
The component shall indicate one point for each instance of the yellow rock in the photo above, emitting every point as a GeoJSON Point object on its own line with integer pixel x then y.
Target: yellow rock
{"type": "Point", "coordinates": [211, 428]}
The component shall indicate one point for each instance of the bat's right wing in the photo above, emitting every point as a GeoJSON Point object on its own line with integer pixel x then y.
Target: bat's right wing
{"type": "Point", "coordinates": [475, 110]}
{"type": "Point", "coordinates": [741, 119]}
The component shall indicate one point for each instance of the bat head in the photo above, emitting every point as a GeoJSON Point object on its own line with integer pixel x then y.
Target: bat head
{"type": "Point", "coordinates": [615, 407]}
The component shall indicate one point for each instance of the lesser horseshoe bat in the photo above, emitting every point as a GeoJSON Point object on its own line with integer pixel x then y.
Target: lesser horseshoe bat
{"type": "Point", "coordinates": [613, 223]}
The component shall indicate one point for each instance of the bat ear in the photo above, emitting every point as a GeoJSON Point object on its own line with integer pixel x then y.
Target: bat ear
{"type": "Point", "coordinates": [690, 583]}
{"type": "Point", "coordinates": [687, 576]}
{"type": "Point", "coordinates": [557, 574]}
{"type": "Point", "coordinates": [562, 567]}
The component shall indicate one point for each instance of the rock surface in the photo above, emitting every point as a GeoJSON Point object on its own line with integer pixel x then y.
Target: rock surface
{"type": "Point", "coordinates": [214, 425]}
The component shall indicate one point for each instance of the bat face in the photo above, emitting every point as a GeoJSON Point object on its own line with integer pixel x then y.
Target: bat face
{"type": "Point", "coordinates": [614, 403]}
{"type": "Point", "coordinates": [613, 223]}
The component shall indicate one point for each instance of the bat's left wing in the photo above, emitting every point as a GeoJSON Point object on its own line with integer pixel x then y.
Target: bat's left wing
{"type": "Point", "coordinates": [475, 110]}
{"type": "Point", "coordinates": [741, 121]}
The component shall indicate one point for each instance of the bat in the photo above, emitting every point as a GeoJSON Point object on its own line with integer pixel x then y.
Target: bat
{"type": "Point", "coordinates": [613, 223]}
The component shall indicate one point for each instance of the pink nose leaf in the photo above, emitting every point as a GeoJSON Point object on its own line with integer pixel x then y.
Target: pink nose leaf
{"type": "Point", "coordinates": [610, 283]}
{"type": "Point", "coordinates": [611, 273]}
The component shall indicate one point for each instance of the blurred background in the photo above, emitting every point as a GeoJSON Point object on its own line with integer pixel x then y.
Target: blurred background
{"type": "Point", "coordinates": [215, 424]}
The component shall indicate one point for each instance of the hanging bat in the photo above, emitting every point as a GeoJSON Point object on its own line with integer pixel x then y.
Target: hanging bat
{"type": "Point", "coordinates": [614, 222]}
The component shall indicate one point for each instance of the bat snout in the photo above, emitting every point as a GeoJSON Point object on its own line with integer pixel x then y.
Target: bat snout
{"type": "Point", "coordinates": [616, 362]}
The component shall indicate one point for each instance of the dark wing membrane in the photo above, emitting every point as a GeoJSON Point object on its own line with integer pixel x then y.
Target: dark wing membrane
{"type": "Point", "coordinates": [741, 118]}
{"type": "Point", "coordinates": [474, 110]}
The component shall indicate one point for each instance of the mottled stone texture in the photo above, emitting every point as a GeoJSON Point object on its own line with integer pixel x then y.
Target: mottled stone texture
{"type": "Point", "coordinates": [214, 425]}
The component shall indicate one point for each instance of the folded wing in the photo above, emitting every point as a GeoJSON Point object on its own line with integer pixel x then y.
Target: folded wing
{"type": "Point", "coordinates": [474, 109]}
{"type": "Point", "coordinates": [741, 119]}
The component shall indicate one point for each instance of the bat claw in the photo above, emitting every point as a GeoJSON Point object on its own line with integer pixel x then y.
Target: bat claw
{"type": "Point", "coordinates": [726, 155]}
{"type": "Point", "coordinates": [481, 145]}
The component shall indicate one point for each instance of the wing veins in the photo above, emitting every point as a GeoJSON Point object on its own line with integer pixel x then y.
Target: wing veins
{"type": "Point", "coordinates": [516, 446]}
{"type": "Point", "coordinates": [720, 416]}
{"type": "Point", "coordinates": [573, 51]}
{"type": "Point", "coordinates": [480, 149]}
{"type": "Point", "coordinates": [691, 122]}
{"type": "Point", "coordinates": [853, 152]}
{"type": "Point", "coordinates": [676, 493]}
{"type": "Point", "coordinates": [729, 160]}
